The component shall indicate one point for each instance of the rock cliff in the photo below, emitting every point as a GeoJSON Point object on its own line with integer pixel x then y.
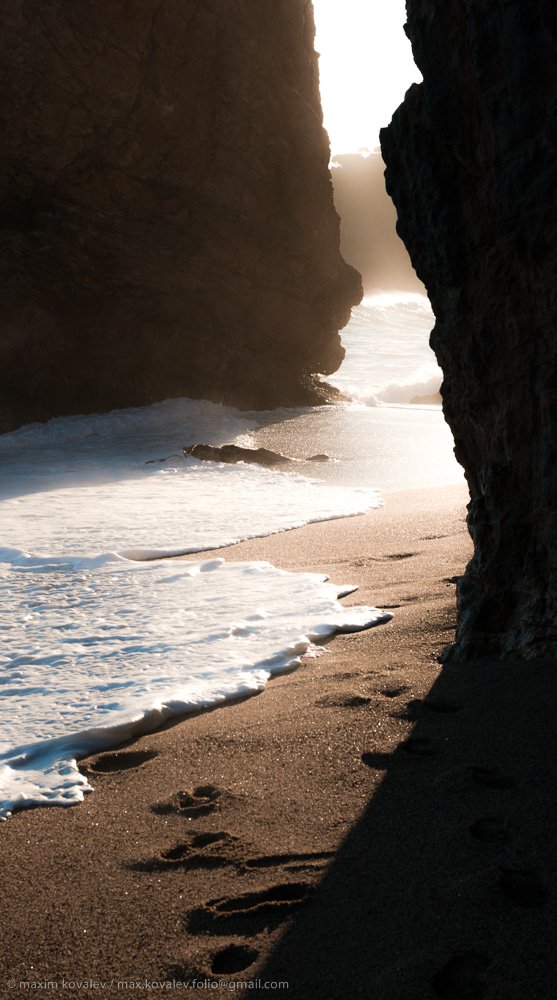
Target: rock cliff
{"type": "Point", "coordinates": [166, 216]}
{"type": "Point", "coordinates": [472, 167]}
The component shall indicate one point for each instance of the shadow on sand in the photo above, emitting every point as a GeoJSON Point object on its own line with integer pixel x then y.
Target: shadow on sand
{"type": "Point", "coordinates": [445, 887]}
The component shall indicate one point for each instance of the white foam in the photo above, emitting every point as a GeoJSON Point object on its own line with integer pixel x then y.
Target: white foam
{"type": "Point", "coordinates": [136, 430]}
{"type": "Point", "coordinates": [98, 648]}
{"type": "Point", "coordinates": [426, 381]}
{"type": "Point", "coordinates": [97, 651]}
{"type": "Point", "coordinates": [94, 483]}
{"type": "Point", "coordinates": [399, 299]}
{"type": "Point", "coordinates": [185, 507]}
{"type": "Point", "coordinates": [388, 358]}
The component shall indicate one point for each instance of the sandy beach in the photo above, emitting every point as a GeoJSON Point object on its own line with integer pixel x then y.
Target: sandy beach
{"type": "Point", "coordinates": [372, 825]}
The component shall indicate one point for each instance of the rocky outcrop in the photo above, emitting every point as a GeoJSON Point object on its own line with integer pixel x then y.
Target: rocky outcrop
{"type": "Point", "coordinates": [472, 168]}
{"type": "Point", "coordinates": [166, 217]}
{"type": "Point", "coordinates": [233, 453]}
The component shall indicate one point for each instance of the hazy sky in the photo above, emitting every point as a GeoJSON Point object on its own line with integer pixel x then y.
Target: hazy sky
{"type": "Point", "coordinates": [365, 67]}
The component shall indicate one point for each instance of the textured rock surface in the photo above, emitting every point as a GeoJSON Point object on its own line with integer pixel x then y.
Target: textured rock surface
{"type": "Point", "coordinates": [472, 168]}
{"type": "Point", "coordinates": [166, 217]}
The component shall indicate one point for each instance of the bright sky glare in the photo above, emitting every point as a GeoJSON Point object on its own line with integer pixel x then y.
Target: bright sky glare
{"type": "Point", "coordinates": [366, 66]}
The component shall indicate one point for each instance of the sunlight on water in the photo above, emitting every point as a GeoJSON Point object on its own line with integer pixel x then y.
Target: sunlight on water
{"type": "Point", "coordinates": [99, 648]}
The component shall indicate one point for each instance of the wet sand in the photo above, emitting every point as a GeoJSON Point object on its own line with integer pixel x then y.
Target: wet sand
{"type": "Point", "coordinates": [370, 826]}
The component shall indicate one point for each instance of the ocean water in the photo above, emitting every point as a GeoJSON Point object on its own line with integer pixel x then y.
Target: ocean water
{"type": "Point", "coordinates": [388, 358]}
{"type": "Point", "coordinates": [380, 437]}
{"type": "Point", "coordinates": [99, 644]}
{"type": "Point", "coordinates": [119, 482]}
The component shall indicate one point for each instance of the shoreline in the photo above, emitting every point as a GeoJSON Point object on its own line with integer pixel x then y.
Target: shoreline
{"type": "Point", "coordinates": [288, 836]}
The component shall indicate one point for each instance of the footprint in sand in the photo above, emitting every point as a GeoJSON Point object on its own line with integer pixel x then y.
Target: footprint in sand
{"type": "Point", "coordinates": [199, 801]}
{"type": "Point", "coordinates": [251, 912]}
{"type": "Point", "coordinates": [491, 778]}
{"type": "Point", "coordinates": [228, 961]}
{"type": "Point", "coordinates": [234, 958]}
{"type": "Point", "coordinates": [420, 746]}
{"type": "Point", "coordinates": [393, 691]}
{"type": "Point", "coordinates": [221, 850]}
{"type": "Point", "coordinates": [112, 763]}
{"type": "Point", "coordinates": [397, 556]}
{"type": "Point", "coordinates": [441, 706]}
{"type": "Point", "coordinates": [486, 777]}
{"type": "Point", "coordinates": [464, 977]}
{"type": "Point", "coordinates": [305, 861]}
{"type": "Point", "coordinates": [347, 701]}
{"type": "Point", "coordinates": [524, 886]}
{"type": "Point", "coordinates": [201, 850]}
{"type": "Point", "coordinates": [393, 557]}
{"type": "Point", "coordinates": [377, 760]}
{"type": "Point", "coordinates": [491, 830]}
{"type": "Point", "coordinates": [417, 708]}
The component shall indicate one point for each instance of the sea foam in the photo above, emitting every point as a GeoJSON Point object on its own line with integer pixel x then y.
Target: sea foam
{"type": "Point", "coordinates": [188, 506]}
{"type": "Point", "coordinates": [424, 382]}
{"type": "Point", "coordinates": [95, 483]}
{"type": "Point", "coordinates": [98, 650]}
{"type": "Point", "coordinates": [98, 647]}
{"type": "Point", "coordinates": [388, 358]}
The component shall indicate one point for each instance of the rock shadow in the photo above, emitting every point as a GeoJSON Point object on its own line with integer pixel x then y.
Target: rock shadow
{"type": "Point", "coordinates": [446, 885]}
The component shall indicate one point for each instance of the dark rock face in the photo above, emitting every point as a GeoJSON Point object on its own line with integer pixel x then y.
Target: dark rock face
{"type": "Point", "coordinates": [166, 216]}
{"type": "Point", "coordinates": [472, 167]}
{"type": "Point", "coordinates": [233, 453]}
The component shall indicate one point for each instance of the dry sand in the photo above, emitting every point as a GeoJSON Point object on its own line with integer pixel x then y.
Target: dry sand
{"type": "Point", "coordinates": [370, 826]}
